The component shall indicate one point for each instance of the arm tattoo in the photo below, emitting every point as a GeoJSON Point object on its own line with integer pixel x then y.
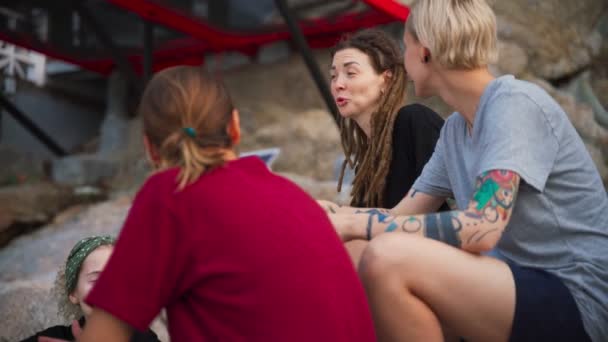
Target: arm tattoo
{"type": "Point", "coordinates": [411, 224]}
{"type": "Point", "coordinates": [383, 217]}
{"type": "Point", "coordinates": [492, 202]}
{"type": "Point", "coordinates": [445, 227]}
{"type": "Point", "coordinates": [495, 194]}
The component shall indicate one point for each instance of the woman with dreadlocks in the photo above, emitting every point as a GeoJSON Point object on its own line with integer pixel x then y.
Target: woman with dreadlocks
{"type": "Point", "coordinates": [74, 281]}
{"type": "Point", "coordinates": [385, 142]}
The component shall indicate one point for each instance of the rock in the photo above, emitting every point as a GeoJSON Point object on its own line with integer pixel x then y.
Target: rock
{"type": "Point", "coordinates": [45, 249]}
{"type": "Point", "coordinates": [580, 87]}
{"type": "Point", "coordinates": [600, 88]}
{"type": "Point", "coordinates": [18, 167]}
{"type": "Point", "coordinates": [24, 207]}
{"type": "Point", "coordinates": [316, 189]}
{"type": "Point", "coordinates": [68, 214]}
{"type": "Point", "coordinates": [273, 52]}
{"type": "Point", "coordinates": [27, 307]}
{"type": "Point", "coordinates": [558, 36]}
{"type": "Point", "coordinates": [581, 116]}
{"type": "Point", "coordinates": [114, 128]}
{"type": "Point", "coordinates": [276, 93]}
{"type": "Point", "coordinates": [512, 59]}
{"type": "Point", "coordinates": [225, 61]}
{"type": "Point", "coordinates": [28, 266]}
{"type": "Point", "coordinates": [133, 166]}
{"type": "Point", "coordinates": [84, 169]}
{"type": "Point", "coordinates": [27, 302]}
{"type": "Point", "coordinates": [309, 143]}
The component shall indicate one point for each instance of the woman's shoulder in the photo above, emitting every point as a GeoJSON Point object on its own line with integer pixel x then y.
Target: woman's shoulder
{"type": "Point", "coordinates": [415, 115]}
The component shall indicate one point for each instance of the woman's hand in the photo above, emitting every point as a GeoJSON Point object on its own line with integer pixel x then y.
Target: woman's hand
{"type": "Point", "coordinates": [328, 206]}
{"type": "Point", "coordinates": [343, 224]}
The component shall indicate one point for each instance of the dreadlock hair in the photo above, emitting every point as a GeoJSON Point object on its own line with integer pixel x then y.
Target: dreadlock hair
{"type": "Point", "coordinates": [371, 157]}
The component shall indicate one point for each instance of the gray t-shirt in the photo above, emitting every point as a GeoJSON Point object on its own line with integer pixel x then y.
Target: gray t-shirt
{"type": "Point", "coordinates": [559, 221]}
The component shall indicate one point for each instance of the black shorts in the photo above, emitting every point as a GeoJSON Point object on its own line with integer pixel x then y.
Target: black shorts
{"type": "Point", "coordinates": [544, 308]}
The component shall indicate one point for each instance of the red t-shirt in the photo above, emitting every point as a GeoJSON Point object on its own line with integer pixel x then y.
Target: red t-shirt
{"type": "Point", "coordinates": [241, 254]}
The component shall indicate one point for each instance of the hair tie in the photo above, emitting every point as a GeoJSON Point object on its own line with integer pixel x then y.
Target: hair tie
{"type": "Point", "coordinates": [189, 132]}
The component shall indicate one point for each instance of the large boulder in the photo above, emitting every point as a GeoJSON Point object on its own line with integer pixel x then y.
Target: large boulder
{"type": "Point", "coordinates": [326, 190]}
{"type": "Point", "coordinates": [26, 308]}
{"type": "Point", "coordinates": [560, 37]}
{"type": "Point", "coordinates": [309, 143]}
{"type": "Point", "coordinates": [29, 205]}
{"type": "Point", "coordinates": [28, 267]}
{"type": "Point", "coordinates": [512, 59]}
{"type": "Point", "coordinates": [19, 167]}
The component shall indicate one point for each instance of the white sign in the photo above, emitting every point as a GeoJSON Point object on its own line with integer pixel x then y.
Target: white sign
{"type": "Point", "coordinates": [22, 63]}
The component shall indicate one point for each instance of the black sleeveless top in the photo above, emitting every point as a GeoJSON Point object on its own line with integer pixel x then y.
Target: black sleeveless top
{"type": "Point", "coordinates": [415, 133]}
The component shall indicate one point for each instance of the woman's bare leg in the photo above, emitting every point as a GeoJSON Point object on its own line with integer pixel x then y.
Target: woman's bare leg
{"type": "Point", "coordinates": [355, 250]}
{"type": "Point", "coordinates": [416, 285]}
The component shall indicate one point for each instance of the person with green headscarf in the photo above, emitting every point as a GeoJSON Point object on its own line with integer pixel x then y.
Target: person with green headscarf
{"type": "Point", "coordinates": [86, 261]}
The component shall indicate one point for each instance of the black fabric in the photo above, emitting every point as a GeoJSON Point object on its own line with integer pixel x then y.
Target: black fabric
{"type": "Point", "coordinates": [544, 308]}
{"type": "Point", "coordinates": [65, 333]}
{"type": "Point", "coordinates": [415, 134]}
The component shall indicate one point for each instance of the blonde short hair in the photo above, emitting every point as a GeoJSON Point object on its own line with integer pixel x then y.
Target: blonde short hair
{"type": "Point", "coordinates": [460, 34]}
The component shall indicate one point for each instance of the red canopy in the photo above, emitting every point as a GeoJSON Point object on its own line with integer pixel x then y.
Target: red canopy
{"type": "Point", "coordinates": [197, 37]}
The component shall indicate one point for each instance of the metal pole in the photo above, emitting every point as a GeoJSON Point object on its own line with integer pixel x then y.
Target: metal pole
{"type": "Point", "coordinates": [311, 63]}
{"type": "Point", "coordinates": [31, 126]}
{"type": "Point", "coordinates": [148, 50]}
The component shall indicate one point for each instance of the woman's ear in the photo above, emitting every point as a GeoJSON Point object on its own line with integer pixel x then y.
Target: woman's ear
{"type": "Point", "coordinates": [426, 53]}
{"type": "Point", "coordinates": [234, 128]}
{"type": "Point", "coordinates": [387, 75]}
{"type": "Point", "coordinates": [151, 152]}
{"type": "Point", "coordinates": [386, 80]}
{"type": "Point", "coordinates": [73, 299]}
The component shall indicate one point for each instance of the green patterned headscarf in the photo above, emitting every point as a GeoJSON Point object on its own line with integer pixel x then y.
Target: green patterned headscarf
{"type": "Point", "coordinates": [80, 252]}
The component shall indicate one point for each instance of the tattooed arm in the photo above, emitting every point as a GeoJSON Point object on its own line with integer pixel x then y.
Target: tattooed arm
{"type": "Point", "coordinates": [414, 202]}
{"type": "Point", "coordinates": [334, 208]}
{"type": "Point", "coordinates": [475, 229]}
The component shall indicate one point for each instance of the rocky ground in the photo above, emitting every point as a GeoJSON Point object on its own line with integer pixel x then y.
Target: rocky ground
{"type": "Point", "coordinates": [550, 42]}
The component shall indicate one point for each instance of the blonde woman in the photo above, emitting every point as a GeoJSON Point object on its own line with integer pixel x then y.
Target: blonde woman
{"type": "Point", "coordinates": [524, 185]}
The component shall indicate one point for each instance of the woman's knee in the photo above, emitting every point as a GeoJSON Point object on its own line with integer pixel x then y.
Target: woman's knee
{"type": "Point", "coordinates": [387, 255]}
